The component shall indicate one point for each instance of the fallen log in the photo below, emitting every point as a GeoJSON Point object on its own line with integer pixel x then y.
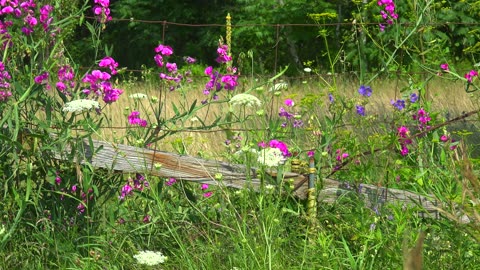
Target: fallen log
{"type": "Point", "coordinates": [129, 159]}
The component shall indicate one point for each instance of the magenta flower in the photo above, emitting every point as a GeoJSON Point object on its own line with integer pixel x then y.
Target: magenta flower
{"type": "Point", "coordinates": [42, 78]}
{"type": "Point", "coordinates": [171, 67]}
{"type": "Point", "coordinates": [444, 67]}
{"type": "Point", "coordinates": [223, 56]}
{"type": "Point", "coordinates": [164, 50]}
{"type": "Point", "coordinates": [280, 146]}
{"type": "Point", "coordinates": [470, 75]}
{"type": "Point", "coordinates": [310, 153]}
{"type": "Point", "coordinates": [134, 119]}
{"type": "Point", "coordinates": [171, 181]}
{"type": "Point", "coordinates": [289, 103]}
{"type": "Point", "coordinates": [204, 186]}
{"type": "Point", "coordinates": [229, 81]}
{"type": "Point", "coordinates": [110, 63]}
{"type": "Point", "coordinates": [102, 11]}
{"type": "Point", "coordinates": [444, 138]}
{"type": "Point", "coordinates": [208, 71]}
{"type": "Point", "coordinates": [207, 194]}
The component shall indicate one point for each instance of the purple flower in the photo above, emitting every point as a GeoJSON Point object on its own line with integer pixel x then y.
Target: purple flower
{"type": "Point", "coordinates": [365, 91]}
{"type": "Point", "coordinates": [399, 104]}
{"type": "Point", "coordinates": [204, 186]}
{"type": "Point", "coordinates": [190, 60]}
{"type": "Point", "coordinates": [331, 98]}
{"type": "Point", "coordinates": [310, 153]}
{"type": "Point", "coordinates": [413, 97]}
{"type": "Point", "coordinates": [360, 110]}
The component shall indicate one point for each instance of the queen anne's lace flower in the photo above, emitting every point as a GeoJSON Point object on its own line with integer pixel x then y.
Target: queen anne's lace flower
{"type": "Point", "coordinates": [80, 105]}
{"type": "Point", "coordinates": [148, 257]}
{"type": "Point", "coordinates": [245, 100]}
{"type": "Point", "coordinates": [271, 157]}
{"type": "Point", "coordinates": [138, 96]}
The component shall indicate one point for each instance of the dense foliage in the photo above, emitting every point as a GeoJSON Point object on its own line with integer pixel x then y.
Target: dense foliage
{"type": "Point", "coordinates": [306, 169]}
{"type": "Point", "coordinates": [447, 32]}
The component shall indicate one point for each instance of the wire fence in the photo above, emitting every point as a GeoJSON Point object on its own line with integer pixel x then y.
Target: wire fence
{"type": "Point", "coordinates": [278, 36]}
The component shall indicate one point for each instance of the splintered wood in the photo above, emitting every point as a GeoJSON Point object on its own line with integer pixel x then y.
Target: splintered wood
{"type": "Point", "coordinates": [129, 159]}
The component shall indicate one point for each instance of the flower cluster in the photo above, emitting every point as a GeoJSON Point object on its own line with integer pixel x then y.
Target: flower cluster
{"type": "Point", "coordinates": [365, 91]}
{"type": "Point", "coordinates": [206, 193]}
{"type": "Point", "coordinates": [451, 142]}
{"type": "Point", "coordinates": [275, 154]}
{"type": "Point", "coordinates": [171, 76]}
{"type": "Point", "coordinates": [24, 11]}
{"type": "Point", "coordinates": [99, 82]}
{"type": "Point", "coordinates": [218, 81]}
{"type": "Point", "coordinates": [151, 258]}
{"type": "Point", "coordinates": [470, 75]}
{"type": "Point", "coordinates": [66, 80]}
{"type": "Point", "coordinates": [399, 104]}
{"type": "Point", "coordinates": [294, 118]}
{"type": "Point", "coordinates": [388, 14]}
{"type": "Point", "coordinates": [423, 118]}
{"type": "Point", "coordinates": [403, 137]}
{"type": "Point", "coordinates": [139, 183]}
{"type": "Point", "coordinates": [341, 156]}
{"type": "Point", "coordinates": [102, 11]}
{"type": "Point", "coordinates": [85, 197]}
{"type": "Point", "coordinates": [170, 181]}
{"type": "Point", "coordinates": [80, 105]}
{"type": "Point", "coordinates": [245, 100]}
{"type": "Point", "coordinates": [134, 119]}
{"type": "Point", "coordinates": [4, 84]}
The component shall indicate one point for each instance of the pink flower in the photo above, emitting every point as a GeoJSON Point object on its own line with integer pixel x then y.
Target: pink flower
{"type": "Point", "coordinates": [164, 50]}
{"type": "Point", "coordinates": [134, 119]}
{"type": "Point", "coordinates": [171, 181]}
{"type": "Point", "coordinates": [310, 153]}
{"type": "Point", "coordinates": [110, 63]}
{"type": "Point", "coordinates": [444, 67]}
{"type": "Point", "coordinates": [444, 138]}
{"type": "Point", "coordinates": [470, 75]}
{"type": "Point", "coordinates": [289, 102]}
{"type": "Point", "coordinates": [207, 194]}
{"type": "Point", "coordinates": [204, 186]}
{"type": "Point", "coordinates": [208, 71]}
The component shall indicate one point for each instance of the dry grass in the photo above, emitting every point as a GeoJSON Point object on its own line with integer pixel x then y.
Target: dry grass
{"type": "Point", "coordinates": [447, 97]}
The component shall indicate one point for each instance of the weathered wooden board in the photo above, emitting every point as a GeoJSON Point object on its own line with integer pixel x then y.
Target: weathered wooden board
{"type": "Point", "coordinates": [129, 159]}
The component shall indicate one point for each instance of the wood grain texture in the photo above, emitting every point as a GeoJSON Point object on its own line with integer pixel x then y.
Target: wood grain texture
{"type": "Point", "coordinates": [129, 159]}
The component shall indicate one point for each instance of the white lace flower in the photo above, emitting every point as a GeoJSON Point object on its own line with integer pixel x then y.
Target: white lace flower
{"type": "Point", "coordinates": [245, 100]}
{"type": "Point", "coordinates": [307, 69]}
{"type": "Point", "coordinates": [80, 105]}
{"type": "Point", "coordinates": [150, 257]}
{"type": "Point", "coordinates": [271, 157]}
{"type": "Point", "coordinates": [138, 96]}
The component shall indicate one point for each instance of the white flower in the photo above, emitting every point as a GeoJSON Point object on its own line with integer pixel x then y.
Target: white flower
{"type": "Point", "coordinates": [307, 70]}
{"type": "Point", "coordinates": [2, 230]}
{"type": "Point", "coordinates": [279, 86]}
{"type": "Point", "coordinates": [150, 257]}
{"type": "Point", "coordinates": [80, 105]}
{"type": "Point", "coordinates": [138, 96]}
{"type": "Point", "coordinates": [271, 157]}
{"type": "Point", "coordinates": [245, 100]}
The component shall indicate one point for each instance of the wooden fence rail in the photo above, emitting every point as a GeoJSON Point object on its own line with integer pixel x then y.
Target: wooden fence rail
{"type": "Point", "coordinates": [129, 159]}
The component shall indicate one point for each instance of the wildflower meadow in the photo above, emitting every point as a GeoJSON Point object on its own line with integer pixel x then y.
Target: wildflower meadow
{"type": "Point", "coordinates": [209, 166]}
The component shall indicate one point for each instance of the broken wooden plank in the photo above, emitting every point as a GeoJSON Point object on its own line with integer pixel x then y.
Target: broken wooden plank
{"type": "Point", "coordinates": [130, 159]}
